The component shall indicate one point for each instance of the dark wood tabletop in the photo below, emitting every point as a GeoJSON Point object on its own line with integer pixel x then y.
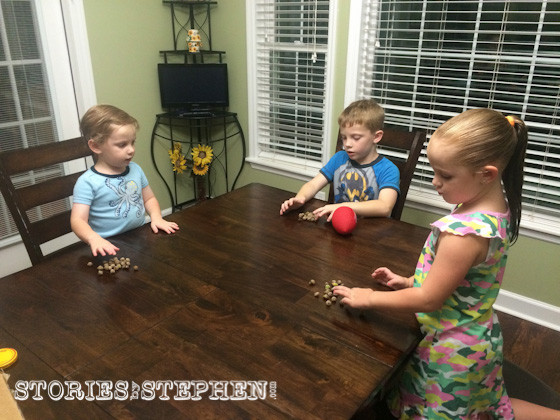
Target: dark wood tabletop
{"type": "Point", "coordinates": [226, 298]}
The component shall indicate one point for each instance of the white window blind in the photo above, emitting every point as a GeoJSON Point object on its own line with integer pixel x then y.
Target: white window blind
{"type": "Point", "coordinates": [26, 116]}
{"type": "Point", "coordinates": [426, 61]}
{"type": "Point", "coordinates": [288, 57]}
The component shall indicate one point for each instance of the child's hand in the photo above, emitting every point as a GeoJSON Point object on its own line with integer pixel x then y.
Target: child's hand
{"type": "Point", "coordinates": [386, 277]}
{"type": "Point", "coordinates": [355, 297]}
{"type": "Point", "coordinates": [327, 210]}
{"type": "Point", "coordinates": [102, 247]}
{"type": "Point", "coordinates": [291, 204]}
{"type": "Point", "coordinates": [168, 227]}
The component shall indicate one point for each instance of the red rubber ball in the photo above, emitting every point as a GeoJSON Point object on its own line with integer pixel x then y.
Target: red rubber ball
{"type": "Point", "coordinates": [344, 220]}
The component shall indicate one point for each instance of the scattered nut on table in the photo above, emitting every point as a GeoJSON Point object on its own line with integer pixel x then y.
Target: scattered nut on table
{"type": "Point", "coordinates": [328, 296]}
{"type": "Point", "coordinates": [307, 216]}
{"type": "Point", "coordinates": [113, 265]}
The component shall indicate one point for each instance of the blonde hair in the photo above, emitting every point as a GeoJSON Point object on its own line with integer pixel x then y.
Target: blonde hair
{"type": "Point", "coordinates": [365, 112]}
{"type": "Point", "coordinates": [486, 137]}
{"type": "Point", "coordinates": [100, 121]}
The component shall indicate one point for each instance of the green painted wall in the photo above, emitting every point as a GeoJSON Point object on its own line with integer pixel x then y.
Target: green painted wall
{"type": "Point", "coordinates": [125, 39]}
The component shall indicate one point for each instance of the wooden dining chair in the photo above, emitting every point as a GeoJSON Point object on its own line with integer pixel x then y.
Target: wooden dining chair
{"type": "Point", "coordinates": [402, 143]}
{"type": "Point", "coordinates": [21, 199]}
{"type": "Point", "coordinates": [523, 385]}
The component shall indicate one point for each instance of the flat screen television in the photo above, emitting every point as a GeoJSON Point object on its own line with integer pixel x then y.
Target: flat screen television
{"type": "Point", "coordinates": [188, 88]}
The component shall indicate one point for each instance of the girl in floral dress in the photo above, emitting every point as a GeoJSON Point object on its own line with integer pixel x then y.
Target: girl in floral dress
{"type": "Point", "coordinates": [456, 370]}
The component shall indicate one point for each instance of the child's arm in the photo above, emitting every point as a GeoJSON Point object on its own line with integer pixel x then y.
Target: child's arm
{"type": "Point", "coordinates": [455, 256]}
{"type": "Point", "coordinates": [79, 218]}
{"type": "Point", "coordinates": [306, 193]}
{"type": "Point", "coordinates": [382, 207]}
{"type": "Point", "coordinates": [154, 211]}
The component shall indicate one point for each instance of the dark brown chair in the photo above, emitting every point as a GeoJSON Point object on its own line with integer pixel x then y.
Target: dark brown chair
{"type": "Point", "coordinates": [22, 199]}
{"type": "Point", "coordinates": [404, 143]}
{"type": "Point", "coordinates": [524, 385]}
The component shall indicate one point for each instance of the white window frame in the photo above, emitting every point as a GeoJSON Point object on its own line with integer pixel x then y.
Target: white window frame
{"type": "Point", "coordinates": [421, 198]}
{"type": "Point", "coordinates": [63, 32]}
{"type": "Point", "coordinates": [293, 167]}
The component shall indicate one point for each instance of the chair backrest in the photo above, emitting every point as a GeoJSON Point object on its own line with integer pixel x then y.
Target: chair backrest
{"type": "Point", "coordinates": [22, 199]}
{"type": "Point", "coordinates": [404, 142]}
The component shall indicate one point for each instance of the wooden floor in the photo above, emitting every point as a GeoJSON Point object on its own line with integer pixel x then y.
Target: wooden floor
{"type": "Point", "coordinates": [533, 347]}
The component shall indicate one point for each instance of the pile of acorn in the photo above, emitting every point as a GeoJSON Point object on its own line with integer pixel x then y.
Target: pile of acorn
{"type": "Point", "coordinates": [328, 296]}
{"type": "Point", "coordinates": [113, 265]}
{"type": "Point", "coordinates": [307, 216]}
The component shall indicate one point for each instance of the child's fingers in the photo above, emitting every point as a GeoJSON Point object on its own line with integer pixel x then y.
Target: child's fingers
{"type": "Point", "coordinates": [286, 205]}
{"type": "Point", "coordinates": [154, 227]}
{"type": "Point", "coordinates": [341, 291]}
{"type": "Point", "coordinates": [380, 270]}
{"type": "Point", "coordinates": [112, 249]}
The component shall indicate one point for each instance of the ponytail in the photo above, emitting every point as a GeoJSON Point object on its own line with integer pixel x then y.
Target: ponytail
{"type": "Point", "coordinates": [512, 176]}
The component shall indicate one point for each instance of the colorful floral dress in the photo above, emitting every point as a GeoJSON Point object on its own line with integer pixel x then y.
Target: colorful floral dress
{"type": "Point", "coordinates": [456, 371]}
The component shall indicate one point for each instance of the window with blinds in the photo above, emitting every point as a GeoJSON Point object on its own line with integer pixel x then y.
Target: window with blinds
{"type": "Point", "coordinates": [26, 117]}
{"type": "Point", "coordinates": [426, 61]}
{"type": "Point", "coordinates": [288, 54]}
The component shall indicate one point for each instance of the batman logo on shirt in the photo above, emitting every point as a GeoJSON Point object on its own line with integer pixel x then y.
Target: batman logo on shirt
{"type": "Point", "coordinates": [355, 183]}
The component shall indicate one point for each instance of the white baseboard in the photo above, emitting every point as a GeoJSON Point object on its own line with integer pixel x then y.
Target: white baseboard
{"type": "Point", "coordinates": [530, 309]}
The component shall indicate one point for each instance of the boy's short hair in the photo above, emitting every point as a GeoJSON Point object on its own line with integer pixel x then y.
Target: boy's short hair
{"type": "Point", "coordinates": [99, 122]}
{"type": "Point", "coordinates": [365, 112]}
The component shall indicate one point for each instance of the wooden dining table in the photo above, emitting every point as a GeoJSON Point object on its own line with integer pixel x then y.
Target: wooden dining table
{"type": "Point", "coordinates": [219, 320]}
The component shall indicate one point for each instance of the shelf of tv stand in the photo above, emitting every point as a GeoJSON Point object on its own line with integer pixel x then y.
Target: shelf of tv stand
{"type": "Point", "coordinates": [188, 3]}
{"type": "Point", "coordinates": [184, 23]}
{"type": "Point", "coordinates": [186, 54]}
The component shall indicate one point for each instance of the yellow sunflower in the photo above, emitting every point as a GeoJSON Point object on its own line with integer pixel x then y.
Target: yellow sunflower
{"type": "Point", "coordinates": [178, 161]}
{"type": "Point", "coordinates": [179, 164]}
{"type": "Point", "coordinates": [175, 151]}
{"type": "Point", "coordinates": [202, 155]}
{"type": "Point", "coordinates": [200, 169]}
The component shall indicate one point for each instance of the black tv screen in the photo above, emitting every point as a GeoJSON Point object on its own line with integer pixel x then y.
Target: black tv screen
{"type": "Point", "coordinates": [185, 87]}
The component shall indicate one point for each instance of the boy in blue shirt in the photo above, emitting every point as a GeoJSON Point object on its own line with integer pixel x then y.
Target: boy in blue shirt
{"type": "Point", "coordinates": [113, 195]}
{"type": "Point", "coordinates": [362, 179]}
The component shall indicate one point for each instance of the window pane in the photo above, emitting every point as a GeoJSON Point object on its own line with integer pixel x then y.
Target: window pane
{"type": "Point", "coordinates": [427, 61]}
{"type": "Point", "coordinates": [20, 29]}
{"type": "Point", "coordinates": [291, 61]}
{"type": "Point", "coordinates": [32, 93]}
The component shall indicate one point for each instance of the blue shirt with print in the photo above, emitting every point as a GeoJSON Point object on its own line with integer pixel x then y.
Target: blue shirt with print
{"type": "Point", "coordinates": [116, 203]}
{"type": "Point", "coordinates": [355, 182]}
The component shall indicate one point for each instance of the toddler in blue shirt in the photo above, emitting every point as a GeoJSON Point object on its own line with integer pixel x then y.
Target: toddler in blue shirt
{"type": "Point", "coordinates": [112, 196]}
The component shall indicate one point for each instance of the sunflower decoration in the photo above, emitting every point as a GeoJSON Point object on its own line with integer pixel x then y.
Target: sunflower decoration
{"type": "Point", "coordinates": [202, 156]}
{"type": "Point", "coordinates": [200, 169]}
{"type": "Point", "coordinates": [178, 160]}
